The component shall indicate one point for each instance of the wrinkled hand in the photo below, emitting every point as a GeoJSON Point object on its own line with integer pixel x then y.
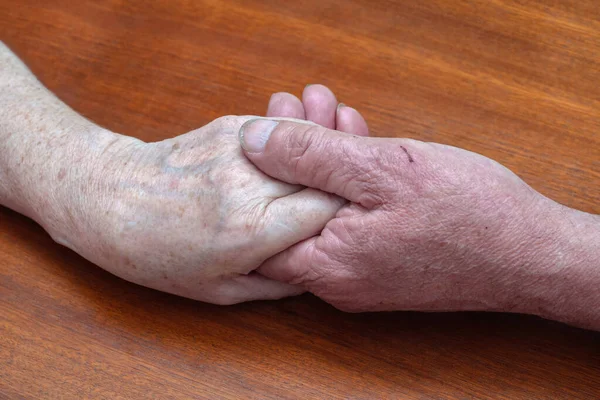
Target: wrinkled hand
{"type": "Point", "coordinates": [429, 227]}
{"type": "Point", "coordinates": [192, 216]}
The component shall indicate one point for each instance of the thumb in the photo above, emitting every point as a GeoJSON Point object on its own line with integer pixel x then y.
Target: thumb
{"type": "Point", "coordinates": [314, 156]}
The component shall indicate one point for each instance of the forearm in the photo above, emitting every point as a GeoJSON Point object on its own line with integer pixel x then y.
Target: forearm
{"type": "Point", "coordinates": [46, 149]}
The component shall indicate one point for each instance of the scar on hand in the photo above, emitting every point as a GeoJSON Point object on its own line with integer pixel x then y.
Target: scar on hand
{"type": "Point", "coordinates": [410, 159]}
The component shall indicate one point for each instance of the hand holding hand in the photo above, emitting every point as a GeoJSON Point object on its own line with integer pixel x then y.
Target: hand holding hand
{"type": "Point", "coordinates": [191, 215]}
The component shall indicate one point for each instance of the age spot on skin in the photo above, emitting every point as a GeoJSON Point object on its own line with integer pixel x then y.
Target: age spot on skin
{"type": "Point", "coordinates": [410, 159]}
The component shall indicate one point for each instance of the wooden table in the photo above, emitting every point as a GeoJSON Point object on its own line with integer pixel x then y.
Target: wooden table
{"type": "Point", "coordinates": [515, 80]}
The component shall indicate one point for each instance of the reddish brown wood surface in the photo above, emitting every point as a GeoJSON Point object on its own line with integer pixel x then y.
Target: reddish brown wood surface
{"type": "Point", "coordinates": [516, 80]}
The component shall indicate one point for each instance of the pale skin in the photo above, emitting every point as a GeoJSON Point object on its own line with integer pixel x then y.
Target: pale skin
{"type": "Point", "coordinates": [390, 224]}
{"type": "Point", "coordinates": [188, 215]}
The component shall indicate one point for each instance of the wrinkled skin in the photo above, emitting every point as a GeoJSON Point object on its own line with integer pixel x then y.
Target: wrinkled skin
{"type": "Point", "coordinates": [191, 215]}
{"type": "Point", "coordinates": [428, 227]}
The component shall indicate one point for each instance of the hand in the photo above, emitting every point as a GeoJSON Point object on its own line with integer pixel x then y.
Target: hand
{"type": "Point", "coordinates": [188, 215]}
{"type": "Point", "coordinates": [191, 215]}
{"type": "Point", "coordinates": [429, 227]}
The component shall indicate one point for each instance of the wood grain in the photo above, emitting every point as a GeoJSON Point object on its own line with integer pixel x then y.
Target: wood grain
{"type": "Point", "coordinates": [515, 80]}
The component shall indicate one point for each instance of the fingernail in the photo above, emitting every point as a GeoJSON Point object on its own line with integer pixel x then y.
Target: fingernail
{"type": "Point", "coordinates": [255, 133]}
{"type": "Point", "coordinates": [340, 106]}
{"type": "Point", "coordinates": [310, 84]}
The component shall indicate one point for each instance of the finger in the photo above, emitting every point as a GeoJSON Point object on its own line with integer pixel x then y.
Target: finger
{"type": "Point", "coordinates": [320, 105]}
{"type": "Point", "coordinates": [296, 217]}
{"type": "Point", "coordinates": [285, 105]}
{"type": "Point", "coordinates": [287, 221]}
{"type": "Point", "coordinates": [321, 255]}
{"type": "Point", "coordinates": [251, 287]}
{"type": "Point", "coordinates": [350, 121]}
{"type": "Point", "coordinates": [292, 265]}
{"type": "Point", "coordinates": [316, 157]}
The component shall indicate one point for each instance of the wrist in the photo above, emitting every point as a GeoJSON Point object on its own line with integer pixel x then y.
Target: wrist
{"type": "Point", "coordinates": [51, 158]}
{"type": "Point", "coordinates": [63, 191]}
{"type": "Point", "coordinates": [564, 270]}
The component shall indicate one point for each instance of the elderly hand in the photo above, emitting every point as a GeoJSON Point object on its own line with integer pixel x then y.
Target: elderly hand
{"type": "Point", "coordinates": [428, 227]}
{"type": "Point", "coordinates": [189, 215]}
{"type": "Point", "coordinates": [192, 216]}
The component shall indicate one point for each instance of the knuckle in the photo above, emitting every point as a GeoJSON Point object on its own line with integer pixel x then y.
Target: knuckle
{"type": "Point", "coordinates": [311, 271]}
{"type": "Point", "coordinates": [305, 144]}
{"type": "Point", "coordinates": [227, 120]}
{"type": "Point", "coordinates": [228, 124]}
{"type": "Point", "coordinates": [304, 277]}
{"type": "Point", "coordinates": [220, 122]}
{"type": "Point", "coordinates": [342, 164]}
